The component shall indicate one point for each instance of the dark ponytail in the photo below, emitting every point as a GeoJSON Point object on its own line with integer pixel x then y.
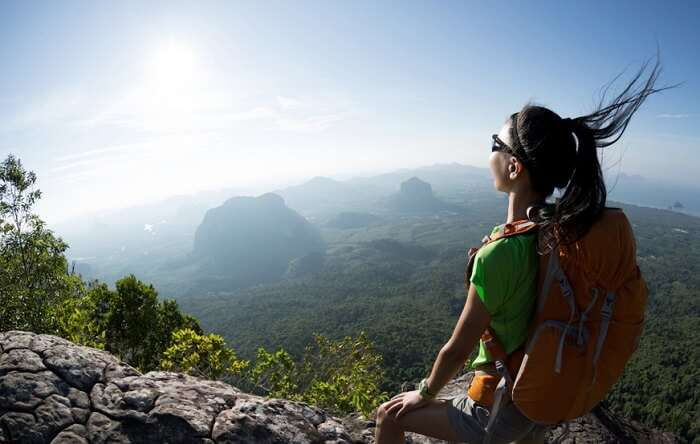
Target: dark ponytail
{"type": "Point", "coordinates": [562, 154]}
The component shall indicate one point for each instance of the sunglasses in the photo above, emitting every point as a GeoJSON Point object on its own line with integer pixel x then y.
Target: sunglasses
{"type": "Point", "coordinates": [499, 145]}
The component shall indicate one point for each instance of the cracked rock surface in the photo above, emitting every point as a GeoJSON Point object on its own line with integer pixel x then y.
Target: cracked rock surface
{"type": "Point", "coordinates": [53, 391]}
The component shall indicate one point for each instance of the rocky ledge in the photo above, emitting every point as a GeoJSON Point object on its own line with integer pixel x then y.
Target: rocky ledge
{"type": "Point", "coordinates": [53, 391]}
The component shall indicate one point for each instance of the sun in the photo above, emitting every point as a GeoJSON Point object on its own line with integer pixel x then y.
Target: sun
{"type": "Point", "coordinates": [172, 67]}
{"type": "Point", "coordinates": [171, 88]}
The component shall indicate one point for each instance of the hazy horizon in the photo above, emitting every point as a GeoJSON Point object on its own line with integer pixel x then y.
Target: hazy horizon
{"type": "Point", "coordinates": [117, 105]}
{"type": "Point", "coordinates": [261, 189]}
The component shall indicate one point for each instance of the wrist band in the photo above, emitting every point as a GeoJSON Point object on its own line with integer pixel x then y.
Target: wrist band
{"type": "Point", "coordinates": [423, 390]}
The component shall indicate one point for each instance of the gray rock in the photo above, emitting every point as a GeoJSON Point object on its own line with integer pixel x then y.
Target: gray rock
{"type": "Point", "coordinates": [334, 431]}
{"type": "Point", "coordinates": [21, 391]}
{"type": "Point", "coordinates": [22, 428]}
{"type": "Point", "coordinates": [110, 401]}
{"type": "Point", "coordinates": [190, 419]}
{"type": "Point", "coordinates": [140, 399]}
{"type": "Point", "coordinates": [53, 414]}
{"type": "Point", "coordinates": [102, 430]}
{"type": "Point", "coordinates": [41, 343]}
{"type": "Point", "coordinates": [80, 367]}
{"type": "Point", "coordinates": [116, 369]}
{"type": "Point", "coordinates": [80, 416]}
{"type": "Point", "coordinates": [20, 359]}
{"type": "Point", "coordinates": [78, 398]}
{"type": "Point", "coordinates": [314, 415]}
{"type": "Point", "coordinates": [17, 339]}
{"type": "Point", "coordinates": [74, 434]}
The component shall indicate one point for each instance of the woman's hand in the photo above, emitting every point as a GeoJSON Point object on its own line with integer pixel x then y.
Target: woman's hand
{"type": "Point", "coordinates": [404, 403]}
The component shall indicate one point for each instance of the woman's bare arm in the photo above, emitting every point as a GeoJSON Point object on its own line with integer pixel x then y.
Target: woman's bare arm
{"type": "Point", "coordinates": [471, 324]}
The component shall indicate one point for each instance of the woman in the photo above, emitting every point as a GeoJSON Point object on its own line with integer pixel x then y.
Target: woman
{"type": "Point", "coordinates": [535, 153]}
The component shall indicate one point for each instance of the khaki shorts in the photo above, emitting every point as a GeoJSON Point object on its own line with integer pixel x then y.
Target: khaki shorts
{"type": "Point", "coordinates": [469, 420]}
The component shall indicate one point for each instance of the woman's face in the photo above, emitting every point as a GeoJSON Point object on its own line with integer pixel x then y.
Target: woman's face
{"type": "Point", "coordinates": [500, 162]}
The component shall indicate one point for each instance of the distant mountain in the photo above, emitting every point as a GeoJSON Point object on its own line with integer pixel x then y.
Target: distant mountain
{"type": "Point", "coordinates": [317, 190]}
{"type": "Point", "coordinates": [111, 243]}
{"type": "Point", "coordinates": [154, 240]}
{"type": "Point", "coordinates": [321, 197]}
{"type": "Point", "coordinates": [131, 239]}
{"type": "Point", "coordinates": [443, 177]}
{"type": "Point", "coordinates": [250, 240]}
{"type": "Point", "coordinates": [416, 196]}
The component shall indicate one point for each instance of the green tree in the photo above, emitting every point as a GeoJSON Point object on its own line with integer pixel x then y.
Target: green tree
{"type": "Point", "coordinates": [339, 375]}
{"type": "Point", "coordinates": [169, 319]}
{"type": "Point", "coordinates": [343, 375]}
{"type": "Point", "coordinates": [34, 276]}
{"type": "Point", "coordinates": [201, 355]}
{"type": "Point", "coordinates": [276, 375]}
{"type": "Point", "coordinates": [81, 319]}
{"type": "Point", "coordinates": [129, 321]}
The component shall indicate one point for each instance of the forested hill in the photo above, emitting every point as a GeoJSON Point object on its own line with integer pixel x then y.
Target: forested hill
{"type": "Point", "coordinates": [251, 240]}
{"type": "Point", "coordinates": [403, 277]}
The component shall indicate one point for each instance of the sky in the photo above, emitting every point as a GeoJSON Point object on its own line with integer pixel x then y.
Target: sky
{"type": "Point", "coordinates": [114, 104]}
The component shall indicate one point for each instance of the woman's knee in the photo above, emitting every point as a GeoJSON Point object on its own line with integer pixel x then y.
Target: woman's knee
{"type": "Point", "coordinates": [383, 417]}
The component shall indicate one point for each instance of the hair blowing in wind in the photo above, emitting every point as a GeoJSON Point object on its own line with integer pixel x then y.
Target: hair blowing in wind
{"type": "Point", "coordinates": [562, 153]}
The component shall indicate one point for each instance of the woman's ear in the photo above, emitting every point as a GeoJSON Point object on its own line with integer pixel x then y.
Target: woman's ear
{"type": "Point", "coordinates": [514, 168]}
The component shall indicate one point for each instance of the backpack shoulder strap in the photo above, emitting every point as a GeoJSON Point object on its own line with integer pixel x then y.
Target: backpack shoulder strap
{"type": "Point", "coordinates": [513, 229]}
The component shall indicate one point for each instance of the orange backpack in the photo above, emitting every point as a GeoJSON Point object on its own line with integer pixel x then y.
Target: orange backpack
{"type": "Point", "coordinates": [587, 323]}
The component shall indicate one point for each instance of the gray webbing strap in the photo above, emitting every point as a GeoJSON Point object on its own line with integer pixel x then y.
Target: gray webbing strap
{"type": "Point", "coordinates": [584, 315]}
{"type": "Point", "coordinates": [566, 291]}
{"type": "Point", "coordinates": [502, 370]}
{"type": "Point", "coordinates": [552, 265]}
{"type": "Point", "coordinates": [499, 397]}
{"type": "Point", "coordinates": [606, 312]}
{"type": "Point", "coordinates": [554, 270]}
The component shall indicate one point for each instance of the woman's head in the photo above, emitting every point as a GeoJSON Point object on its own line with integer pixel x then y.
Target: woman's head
{"type": "Point", "coordinates": [534, 149]}
{"type": "Point", "coordinates": [538, 149]}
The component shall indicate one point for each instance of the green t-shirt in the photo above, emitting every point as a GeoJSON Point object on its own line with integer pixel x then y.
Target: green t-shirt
{"type": "Point", "coordinates": [505, 277]}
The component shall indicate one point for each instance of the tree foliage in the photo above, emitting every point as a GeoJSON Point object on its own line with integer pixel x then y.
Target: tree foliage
{"type": "Point", "coordinates": [129, 321]}
{"type": "Point", "coordinates": [34, 274]}
{"type": "Point", "coordinates": [342, 376]}
{"type": "Point", "coordinates": [201, 355]}
{"type": "Point", "coordinates": [339, 375]}
{"type": "Point", "coordinates": [275, 374]}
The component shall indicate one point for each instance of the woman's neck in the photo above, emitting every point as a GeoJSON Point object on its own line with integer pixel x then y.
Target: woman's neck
{"type": "Point", "coordinates": [518, 203]}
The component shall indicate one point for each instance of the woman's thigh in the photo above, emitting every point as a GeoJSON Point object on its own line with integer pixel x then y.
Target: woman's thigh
{"type": "Point", "coordinates": [431, 420]}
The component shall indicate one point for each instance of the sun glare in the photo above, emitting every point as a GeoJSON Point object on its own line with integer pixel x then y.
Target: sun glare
{"type": "Point", "coordinates": [172, 67]}
{"type": "Point", "coordinates": [170, 92]}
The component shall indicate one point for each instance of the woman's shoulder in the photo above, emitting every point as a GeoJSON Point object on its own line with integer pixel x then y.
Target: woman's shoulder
{"type": "Point", "coordinates": [508, 247]}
